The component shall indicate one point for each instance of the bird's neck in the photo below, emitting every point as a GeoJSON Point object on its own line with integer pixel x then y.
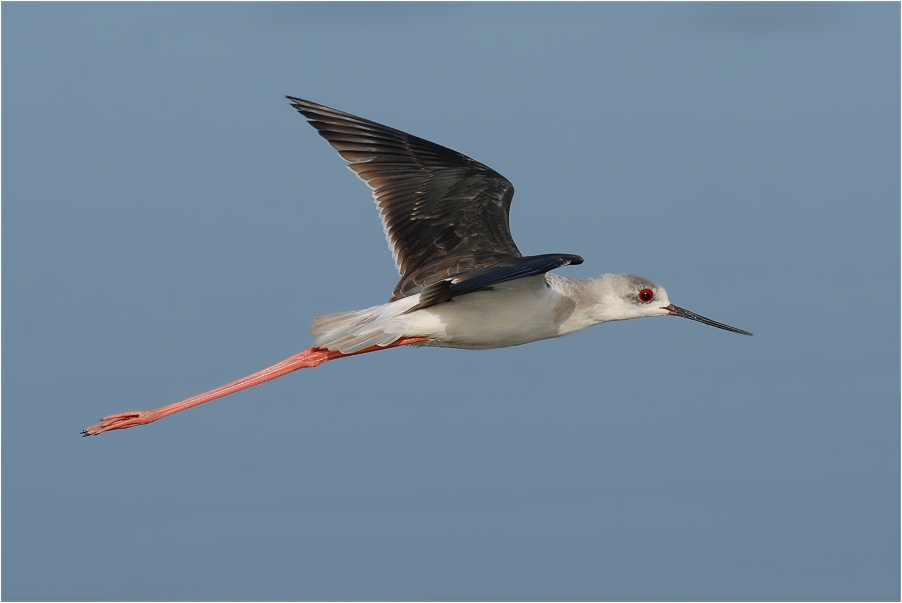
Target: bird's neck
{"type": "Point", "coordinates": [583, 302]}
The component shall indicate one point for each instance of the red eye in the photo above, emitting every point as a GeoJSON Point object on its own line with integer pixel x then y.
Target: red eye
{"type": "Point", "coordinates": [646, 295]}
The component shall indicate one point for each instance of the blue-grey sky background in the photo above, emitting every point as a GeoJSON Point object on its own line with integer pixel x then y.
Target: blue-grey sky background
{"type": "Point", "coordinates": [170, 224]}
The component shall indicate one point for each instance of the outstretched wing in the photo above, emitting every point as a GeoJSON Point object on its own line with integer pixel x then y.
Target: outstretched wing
{"type": "Point", "coordinates": [443, 213]}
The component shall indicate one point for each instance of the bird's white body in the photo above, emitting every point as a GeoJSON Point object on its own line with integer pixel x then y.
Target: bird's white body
{"type": "Point", "coordinates": [512, 313]}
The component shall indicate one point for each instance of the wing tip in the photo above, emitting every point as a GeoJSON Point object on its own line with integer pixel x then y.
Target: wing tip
{"type": "Point", "coordinates": [311, 110]}
{"type": "Point", "coordinates": [300, 104]}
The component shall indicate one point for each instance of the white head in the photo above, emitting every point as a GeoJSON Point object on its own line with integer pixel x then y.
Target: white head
{"type": "Point", "coordinates": [624, 296]}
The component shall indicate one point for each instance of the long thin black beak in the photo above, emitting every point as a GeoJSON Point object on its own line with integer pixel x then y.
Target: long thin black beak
{"type": "Point", "coordinates": [678, 311]}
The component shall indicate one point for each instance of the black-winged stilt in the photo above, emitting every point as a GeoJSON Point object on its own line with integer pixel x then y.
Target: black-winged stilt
{"type": "Point", "coordinates": [464, 283]}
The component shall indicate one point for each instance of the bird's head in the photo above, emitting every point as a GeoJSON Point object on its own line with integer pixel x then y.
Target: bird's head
{"type": "Point", "coordinates": [624, 296]}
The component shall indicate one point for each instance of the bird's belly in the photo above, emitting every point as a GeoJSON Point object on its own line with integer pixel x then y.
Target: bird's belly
{"type": "Point", "coordinates": [490, 319]}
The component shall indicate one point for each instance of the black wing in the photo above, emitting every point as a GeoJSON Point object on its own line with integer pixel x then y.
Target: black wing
{"type": "Point", "coordinates": [443, 213]}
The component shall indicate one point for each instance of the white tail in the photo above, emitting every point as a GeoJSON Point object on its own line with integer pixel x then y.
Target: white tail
{"type": "Point", "coordinates": [350, 332]}
{"type": "Point", "coordinates": [331, 322]}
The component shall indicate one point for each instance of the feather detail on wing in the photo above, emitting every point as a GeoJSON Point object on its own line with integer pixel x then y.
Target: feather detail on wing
{"type": "Point", "coordinates": [443, 213]}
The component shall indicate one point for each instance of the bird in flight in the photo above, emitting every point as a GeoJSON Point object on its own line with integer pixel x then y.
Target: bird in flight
{"type": "Point", "coordinates": [464, 282]}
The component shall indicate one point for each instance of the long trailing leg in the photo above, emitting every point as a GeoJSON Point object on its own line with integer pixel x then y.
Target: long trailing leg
{"type": "Point", "coordinates": [309, 358]}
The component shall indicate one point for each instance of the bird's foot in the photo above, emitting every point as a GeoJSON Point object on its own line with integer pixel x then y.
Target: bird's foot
{"type": "Point", "coordinates": [122, 420]}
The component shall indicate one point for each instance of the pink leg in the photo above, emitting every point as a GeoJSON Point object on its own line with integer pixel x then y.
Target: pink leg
{"type": "Point", "coordinates": [309, 358]}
